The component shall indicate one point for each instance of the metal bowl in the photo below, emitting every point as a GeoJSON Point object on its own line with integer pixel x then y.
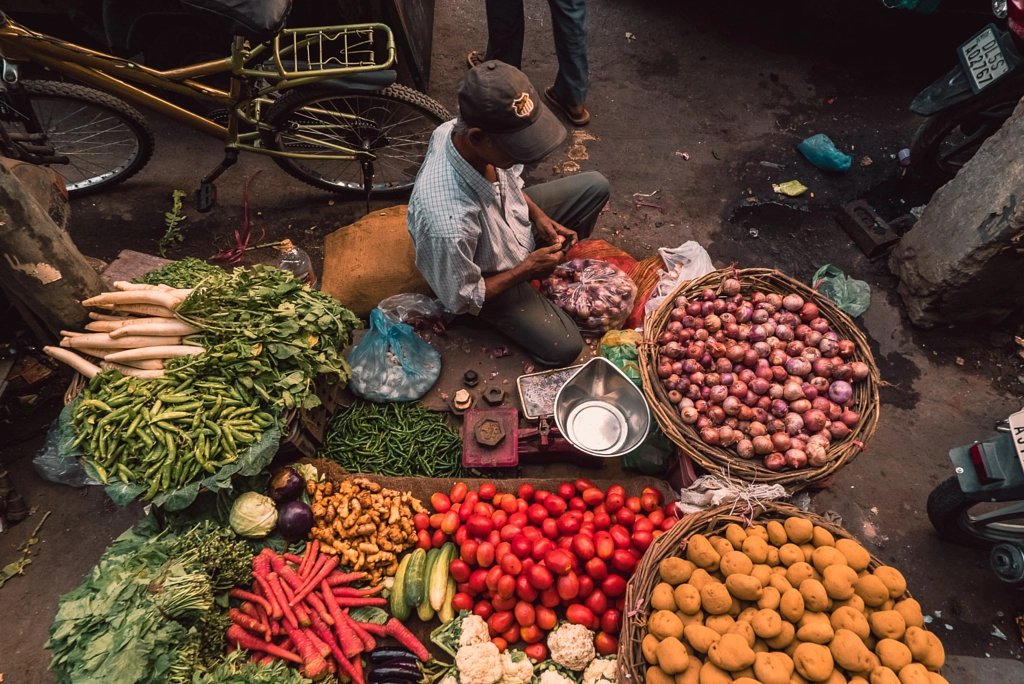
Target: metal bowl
{"type": "Point", "coordinates": [601, 412]}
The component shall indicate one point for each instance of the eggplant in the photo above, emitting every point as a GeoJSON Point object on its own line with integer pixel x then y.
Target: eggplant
{"type": "Point", "coordinates": [382, 655]}
{"type": "Point", "coordinates": [392, 673]}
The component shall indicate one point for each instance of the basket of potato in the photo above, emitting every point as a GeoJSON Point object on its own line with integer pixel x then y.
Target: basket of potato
{"type": "Point", "coordinates": [784, 598]}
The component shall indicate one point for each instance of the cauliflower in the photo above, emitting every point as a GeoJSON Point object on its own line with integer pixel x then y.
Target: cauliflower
{"type": "Point", "coordinates": [552, 677]}
{"type": "Point", "coordinates": [450, 680]}
{"type": "Point", "coordinates": [601, 671]}
{"type": "Point", "coordinates": [474, 631]}
{"type": "Point", "coordinates": [572, 646]}
{"type": "Point", "coordinates": [479, 664]}
{"type": "Point", "coordinates": [516, 668]}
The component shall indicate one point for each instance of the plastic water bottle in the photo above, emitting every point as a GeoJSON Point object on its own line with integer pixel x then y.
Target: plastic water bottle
{"type": "Point", "coordinates": [298, 263]}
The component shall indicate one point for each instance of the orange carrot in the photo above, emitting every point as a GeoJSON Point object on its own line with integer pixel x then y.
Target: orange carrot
{"type": "Point", "coordinates": [356, 601]}
{"type": "Point", "coordinates": [265, 621]}
{"type": "Point", "coordinates": [338, 577]}
{"type": "Point", "coordinates": [357, 666]}
{"type": "Point", "coordinates": [293, 559]}
{"type": "Point", "coordinates": [316, 576]}
{"type": "Point", "coordinates": [246, 621]}
{"type": "Point", "coordinates": [396, 629]}
{"type": "Point", "coordinates": [356, 593]}
{"type": "Point", "coordinates": [275, 586]}
{"type": "Point", "coordinates": [376, 630]}
{"type": "Point", "coordinates": [313, 569]}
{"type": "Point", "coordinates": [247, 596]}
{"type": "Point", "coordinates": [313, 599]}
{"type": "Point", "coordinates": [368, 642]}
{"type": "Point", "coordinates": [301, 614]}
{"type": "Point", "coordinates": [283, 569]}
{"type": "Point", "coordinates": [260, 571]}
{"type": "Point", "coordinates": [237, 636]}
{"type": "Point", "coordinates": [310, 559]}
{"type": "Point", "coordinates": [322, 648]}
{"type": "Point", "coordinates": [313, 663]}
{"type": "Point", "coordinates": [349, 641]}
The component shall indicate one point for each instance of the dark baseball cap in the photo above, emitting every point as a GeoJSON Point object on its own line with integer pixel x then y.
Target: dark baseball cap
{"type": "Point", "coordinates": [500, 100]}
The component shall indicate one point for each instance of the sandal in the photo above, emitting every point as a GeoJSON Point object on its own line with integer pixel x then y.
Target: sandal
{"type": "Point", "coordinates": [576, 119]}
{"type": "Point", "coordinates": [475, 59]}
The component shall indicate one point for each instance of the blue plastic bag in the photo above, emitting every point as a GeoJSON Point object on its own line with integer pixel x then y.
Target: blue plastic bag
{"type": "Point", "coordinates": [822, 152]}
{"type": "Point", "coordinates": [392, 363]}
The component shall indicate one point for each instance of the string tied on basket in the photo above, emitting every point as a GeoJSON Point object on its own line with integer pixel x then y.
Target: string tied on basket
{"type": "Point", "coordinates": [860, 444]}
{"type": "Point", "coordinates": [637, 608]}
{"type": "Point", "coordinates": [682, 543]}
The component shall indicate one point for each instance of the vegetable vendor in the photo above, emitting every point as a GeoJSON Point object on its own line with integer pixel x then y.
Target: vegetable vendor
{"type": "Point", "coordinates": [480, 236]}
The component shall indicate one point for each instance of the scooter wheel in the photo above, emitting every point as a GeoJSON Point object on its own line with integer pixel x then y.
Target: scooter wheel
{"type": "Point", "coordinates": [949, 511]}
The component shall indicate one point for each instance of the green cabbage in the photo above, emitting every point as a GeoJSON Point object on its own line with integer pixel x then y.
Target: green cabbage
{"type": "Point", "coordinates": [253, 515]}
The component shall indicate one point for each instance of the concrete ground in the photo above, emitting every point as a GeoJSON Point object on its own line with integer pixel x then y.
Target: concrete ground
{"type": "Point", "coordinates": [732, 86]}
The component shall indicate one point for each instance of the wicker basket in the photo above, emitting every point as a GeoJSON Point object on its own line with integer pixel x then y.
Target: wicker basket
{"type": "Point", "coordinates": [723, 460]}
{"type": "Point", "coordinates": [632, 664]}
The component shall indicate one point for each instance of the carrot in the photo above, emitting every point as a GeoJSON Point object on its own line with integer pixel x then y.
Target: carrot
{"type": "Point", "coordinates": [356, 593]}
{"type": "Point", "coordinates": [299, 608]}
{"type": "Point", "coordinates": [350, 642]}
{"type": "Point", "coordinates": [396, 629]}
{"type": "Point", "coordinates": [357, 665]}
{"type": "Point", "coordinates": [369, 643]}
{"type": "Point", "coordinates": [317, 576]}
{"type": "Point", "coordinates": [337, 577]}
{"type": "Point", "coordinates": [248, 622]}
{"type": "Point", "coordinates": [293, 559]}
{"type": "Point", "coordinates": [275, 587]}
{"type": "Point", "coordinates": [260, 571]}
{"type": "Point", "coordinates": [324, 633]}
{"type": "Point", "coordinates": [249, 609]}
{"type": "Point", "coordinates": [250, 597]}
{"type": "Point", "coordinates": [313, 599]}
{"type": "Point", "coordinates": [283, 569]}
{"type": "Point", "coordinates": [74, 360]}
{"type": "Point", "coordinates": [242, 639]}
{"type": "Point", "coordinates": [315, 567]}
{"type": "Point", "coordinates": [357, 601]}
{"type": "Point", "coordinates": [317, 643]}
{"type": "Point", "coordinates": [312, 549]}
{"type": "Point", "coordinates": [265, 621]}
{"type": "Point", "coordinates": [312, 662]}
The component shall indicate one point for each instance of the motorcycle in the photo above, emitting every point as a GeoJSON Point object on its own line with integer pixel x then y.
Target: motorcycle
{"type": "Point", "coordinates": [983, 504]}
{"type": "Point", "coordinates": [968, 104]}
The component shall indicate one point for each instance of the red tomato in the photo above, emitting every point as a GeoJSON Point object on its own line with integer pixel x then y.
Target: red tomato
{"type": "Point", "coordinates": [623, 561]}
{"type": "Point", "coordinates": [462, 602]}
{"type": "Point", "coordinates": [568, 586]}
{"type": "Point", "coordinates": [602, 521]}
{"type": "Point", "coordinates": [642, 524]}
{"type": "Point", "coordinates": [555, 505]}
{"type": "Point", "coordinates": [509, 532]}
{"type": "Point", "coordinates": [583, 485]}
{"type": "Point", "coordinates": [620, 536]}
{"type": "Point", "coordinates": [587, 528]}
{"type": "Point", "coordinates": [485, 555]}
{"type": "Point", "coordinates": [611, 621]}
{"type": "Point", "coordinates": [479, 526]}
{"type": "Point", "coordinates": [494, 537]}
{"type": "Point", "coordinates": [577, 504]}
{"type": "Point", "coordinates": [525, 614]}
{"type": "Point", "coordinates": [421, 521]}
{"type": "Point", "coordinates": [531, 634]}
{"type": "Point", "coordinates": [518, 519]}
{"type": "Point", "coordinates": [586, 586]}
{"type": "Point", "coordinates": [483, 508]}
{"type": "Point", "coordinates": [460, 570]}
{"type": "Point", "coordinates": [583, 547]}
{"type": "Point", "coordinates": [468, 504]}
{"type": "Point", "coordinates": [588, 517]}
{"type": "Point", "coordinates": [657, 516]}
{"type": "Point", "coordinates": [521, 546]}
{"type": "Point", "coordinates": [623, 516]}
{"type": "Point", "coordinates": [549, 597]}
{"type": "Point", "coordinates": [525, 590]}
{"type": "Point", "coordinates": [568, 525]}
{"type": "Point", "coordinates": [467, 552]}
{"type": "Point", "coordinates": [540, 548]}
{"type": "Point", "coordinates": [478, 581]}
{"type": "Point", "coordinates": [550, 528]}
{"type": "Point", "coordinates": [450, 522]}
{"type": "Point", "coordinates": [487, 492]}
{"type": "Point", "coordinates": [620, 603]}
{"type": "Point", "coordinates": [546, 618]}
{"type": "Point", "coordinates": [604, 545]}
{"type": "Point", "coordinates": [667, 524]}
{"type": "Point", "coordinates": [648, 502]}
{"type": "Point", "coordinates": [566, 490]}
{"type": "Point", "coordinates": [440, 503]}
{"type": "Point", "coordinates": [511, 564]}
{"type": "Point", "coordinates": [500, 621]}
{"type": "Point", "coordinates": [511, 635]}
{"type": "Point", "coordinates": [564, 543]}
{"type": "Point", "coordinates": [483, 609]}
{"type": "Point", "coordinates": [501, 550]}
{"type": "Point", "coordinates": [493, 575]}
{"type": "Point", "coordinates": [509, 504]}
{"type": "Point", "coordinates": [423, 540]}
{"type": "Point", "coordinates": [597, 569]}
{"type": "Point", "coordinates": [499, 519]}
{"type": "Point", "coordinates": [592, 496]}
{"type": "Point", "coordinates": [500, 643]}
{"type": "Point", "coordinates": [525, 491]}
{"type": "Point", "coordinates": [522, 505]}
{"type": "Point", "coordinates": [458, 493]}
{"type": "Point", "coordinates": [617, 489]}
{"type": "Point", "coordinates": [606, 644]}
{"type": "Point", "coordinates": [642, 540]}
{"type": "Point", "coordinates": [506, 586]}
{"type": "Point", "coordinates": [537, 513]}
{"type": "Point", "coordinates": [558, 561]}
{"type": "Point", "coordinates": [579, 614]}
{"type": "Point", "coordinates": [633, 504]}
{"type": "Point", "coordinates": [435, 520]}
{"type": "Point", "coordinates": [540, 577]}
{"type": "Point", "coordinates": [464, 588]}
{"type": "Point", "coordinates": [538, 652]}
{"type": "Point", "coordinates": [532, 533]}
{"type": "Point", "coordinates": [528, 563]}
{"type": "Point", "coordinates": [659, 498]}
{"type": "Point", "coordinates": [613, 585]}
{"type": "Point", "coordinates": [500, 603]}
{"type": "Point", "coordinates": [461, 535]}
{"type": "Point", "coordinates": [540, 495]}
{"type": "Point", "coordinates": [439, 539]}
{"type": "Point", "coordinates": [613, 502]}
{"type": "Point", "coordinates": [597, 602]}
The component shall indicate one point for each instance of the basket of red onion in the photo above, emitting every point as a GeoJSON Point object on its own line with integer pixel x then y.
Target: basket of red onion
{"type": "Point", "coordinates": [757, 377]}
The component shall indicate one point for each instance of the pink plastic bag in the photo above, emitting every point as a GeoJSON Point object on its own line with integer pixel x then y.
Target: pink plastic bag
{"type": "Point", "coordinates": [597, 295]}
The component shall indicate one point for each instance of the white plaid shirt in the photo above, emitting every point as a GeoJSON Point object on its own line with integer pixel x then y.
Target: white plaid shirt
{"type": "Point", "coordinates": [458, 227]}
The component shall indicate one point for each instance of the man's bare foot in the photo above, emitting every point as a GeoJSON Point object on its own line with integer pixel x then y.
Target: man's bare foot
{"type": "Point", "coordinates": [577, 114]}
{"type": "Point", "coordinates": [475, 58]}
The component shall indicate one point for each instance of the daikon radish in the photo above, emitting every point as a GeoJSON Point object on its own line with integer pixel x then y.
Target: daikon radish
{"type": "Point", "coordinates": [105, 341]}
{"type": "Point", "coordinates": [107, 317]}
{"type": "Point", "coordinates": [74, 360]}
{"type": "Point", "coordinates": [129, 370]}
{"type": "Point", "coordinates": [70, 333]}
{"type": "Point", "coordinates": [181, 294]}
{"type": "Point", "coordinates": [125, 286]}
{"type": "Point", "coordinates": [98, 353]}
{"type": "Point", "coordinates": [166, 352]}
{"type": "Point", "coordinates": [160, 327]}
{"type": "Point", "coordinates": [141, 364]}
{"type": "Point", "coordinates": [146, 297]}
{"type": "Point", "coordinates": [103, 326]}
{"type": "Point", "coordinates": [143, 309]}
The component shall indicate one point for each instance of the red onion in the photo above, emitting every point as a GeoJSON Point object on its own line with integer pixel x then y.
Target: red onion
{"type": "Point", "coordinates": [727, 378]}
{"type": "Point", "coordinates": [775, 391]}
{"type": "Point", "coordinates": [777, 357]}
{"type": "Point", "coordinates": [759, 386]}
{"type": "Point", "coordinates": [775, 425]}
{"type": "Point", "coordinates": [796, 459]}
{"type": "Point", "coordinates": [815, 420]}
{"type": "Point", "coordinates": [843, 371]}
{"type": "Point", "coordinates": [712, 323]}
{"type": "Point", "coordinates": [727, 318]}
{"type": "Point", "coordinates": [690, 366]}
{"type": "Point", "coordinates": [799, 406]}
{"type": "Point", "coordinates": [716, 414]}
{"type": "Point", "coordinates": [798, 442]}
{"type": "Point", "coordinates": [860, 370]}
{"type": "Point", "coordinates": [731, 286]}
{"type": "Point", "coordinates": [709, 294]}
{"type": "Point", "coordinates": [779, 408]}
{"type": "Point", "coordinates": [808, 312]}
{"type": "Point", "coordinates": [706, 360]}
{"type": "Point", "coordinates": [743, 333]}
{"type": "Point", "coordinates": [666, 337]}
{"type": "Point", "coordinates": [757, 429]}
{"type": "Point", "coordinates": [684, 402]}
{"type": "Point", "coordinates": [779, 373]}
{"type": "Point", "coordinates": [794, 424]}
{"type": "Point", "coordinates": [773, 299]}
{"type": "Point", "coordinates": [750, 358]}
{"type": "Point", "coordinates": [710, 436]}
{"type": "Point", "coordinates": [775, 461]}
{"type": "Point", "coordinates": [775, 343]}
{"type": "Point", "coordinates": [822, 368]}
{"type": "Point", "coordinates": [762, 349]}
{"type": "Point", "coordinates": [784, 333]}
{"type": "Point", "coordinates": [705, 393]}
{"type": "Point", "coordinates": [694, 350]}
{"type": "Point", "coordinates": [711, 379]}
{"type": "Point", "coordinates": [849, 417]}
{"type": "Point", "coordinates": [677, 367]}
{"type": "Point", "coordinates": [798, 366]}
{"type": "Point", "coordinates": [693, 308]}
{"type": "Point", "coordinates": [685, 335]}
{"type": "Point", "coordinates": [676, 314]}
{"type": "Point", "coordinates": [847, 348]}
{"type": "Point", "coordinates": [828, 347]}
{"type": "Point", "coordinates": [769, 328]}
{"type": "Point", "coordinates": [757, 297]}
{"type": "Point", "coordinates": [735, 353]}
{"type": "Point", "coordinates": [821, 404]}
{"type": "Point", "coordinates": [792, 391]}
{"type": "Point", "coordinates": [718, 306]}
{"type": "Point", "coordinates": [731, 406]}
{"type": "Point", "coordinates": [839, 429]}
{"type": "Point", "coordinates": [834, 411]}
{"type": "Point", "coordinates": [795, 348]}
{"type": "Point", "coordinates": [682, 301]}
{"type": "Point", "coordinates": [840, 392]}
{"type": "Point", "coordinates": [718, 394]}
{"type": "Point", "coordinates": [701, 405]}
{"type": "Point", "coordinates": [780, 441]}
{"type": "Point", "coordinates": [757, 334]}
{"type": "Point", "coordinates": [762, 445]}
{"type": "Point", "coordinates": [760, 316]}
{"type": "Point", "coordinates": [702, 422]}
{"type": "Point", "coordinates": [792, 302]}
{"type": "Point", "coordinates": [817, 454]}
{"type": "Point", "coordinates": [672, 350]}
{"type": "Point", "coordinates": [726, 435]}
{"type": "Point", "coordinates": [689, 415]}
{"type": "Point", "coordinates": [800, 332]}
{"type": "Point", "coordinates": [813, 339]}
{"type": "Point", "coordinates": [818, 325]}
{"type": "Point", "coordinates": [664, 370]}
{"type": "Point", "coordinates": [737, 388]}
{"type": "Point", "coordinates": [732, 421]}
{"type": "Point", "coordinates": [688, 322]}
{"type": "Point", "coordinates": [810, 391]}
{"type": "Point", "coordinates": [760, 413]}
{"type": "Point", "coordinates": [746, 413]}
{"type": "Point", "coordinates": [819, 383]}
{"type": "Point", "coordinates": [724, 366]}
{"type": "Point", "coordinates": [675, 397]}
{"type": "Point", "coordinates": [746, 375]}
{"type": "Point", "coordinates": [744, 313]}
{"type": "Point", "coordinates": [707, 308]}
{"type": "Point", "coordinates": [764, 371]}
{"type": "Point", "coordinates": [789, 319]}
{"type": "Point", "coordinates": [750, 399]}
{"type": "Point", "coordinates": [745, 448]}
{"type": "Point", "coordinates": [693, 392]}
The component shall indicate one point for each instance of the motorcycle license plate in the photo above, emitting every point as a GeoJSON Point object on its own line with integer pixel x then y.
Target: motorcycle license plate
{"type": "Point", "coordinates": [1017, 433]}
{"type": "Point", "coordinates": [983, 59]}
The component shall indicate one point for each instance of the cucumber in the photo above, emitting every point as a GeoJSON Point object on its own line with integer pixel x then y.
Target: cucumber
{"type": "Point", "coordinates": [446, 612]}
{"type": "Point", "coordinates": [437, 585]}
{"type": "Point", "coordinates": [414, 583]}
{"type": "Point", "coordinates": [425, 612]}
{"type": "Point", "coordinates": [399, 606]}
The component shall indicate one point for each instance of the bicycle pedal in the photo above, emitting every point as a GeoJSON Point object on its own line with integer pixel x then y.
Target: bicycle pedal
{"type": "Point", "coordinates": [206, 197]}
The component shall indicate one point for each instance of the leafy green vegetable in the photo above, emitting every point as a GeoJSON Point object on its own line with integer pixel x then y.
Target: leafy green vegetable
{"type": "Point", "coordinates": [237, 670]}
{"type": "Point", "coordinates": [371, 614]}
{"type": "Point", "coordinates": [171, 219]}
{"type": "Point", "coordinates": [184, 273]}
{"type": "Point", "coordinates": [447, 636]}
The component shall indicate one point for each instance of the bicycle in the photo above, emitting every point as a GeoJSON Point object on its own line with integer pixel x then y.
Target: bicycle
{"type": "Point", "coordinates": [322, 102]}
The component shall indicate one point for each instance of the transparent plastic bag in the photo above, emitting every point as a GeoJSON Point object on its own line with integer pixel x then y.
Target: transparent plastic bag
{"type": "Point", "coordinates": [652, 456]}
{"type": "Point", "coordinates": [852, 296]}
{"type": "Point", "coordinates": [412, 308]}
{"type": "Point", "coordinates": [620, 347]}
{"type": "Point", "coordinates": [57, 461]}
{"type": "Point", "coordinates": [686, 262]}
{"type": "Point", "coordinates": [392, 363]}
{"type": "Point", "coordinates": [823, 153]}
{"type": "Point", "coordinates": [597, 295]}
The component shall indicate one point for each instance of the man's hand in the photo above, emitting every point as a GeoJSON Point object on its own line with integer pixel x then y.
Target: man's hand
{"type": "Point", "coordinates": [542, 261]}
{"type": "Point", "coordinates": [552, 232]}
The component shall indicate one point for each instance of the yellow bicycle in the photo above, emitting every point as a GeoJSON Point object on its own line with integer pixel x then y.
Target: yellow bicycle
{"type": "Point", "coordinates": [322, 102]}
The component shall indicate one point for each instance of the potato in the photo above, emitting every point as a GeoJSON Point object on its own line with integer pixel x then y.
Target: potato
{"type": "Point", "coordinates": [747, 614]}
{"type": "Point", "coordinates": [762, 572]}
{"type": "Point", "coordinates": [791, 648]}
{"type": "Point", "coordinates": [715, 598]}
{"type": "Point", "coordinates": [824, 556]}
{"type": "Point", "coordinates": [744, 680]}
{"type": "Point", "coordinates": [745, 630]}
{"type": "Point", "coordinates": [808, 551]}
{"type": "Point", "coordinates": [736, 535]}
{"type": "Point", "coordinates": [744, 587]}
{"type": "Point", "coordinates": [785, 638]}
{"type": "Point", "coordinates": [758, 531]}
{"type": "Point", "coordinates": [910, 609]}
{"type": "Point", "coordinates": [838, 580]}
{"type": "Point", "coordinates": [672, 656]}
{"type": "Point", "coordinates": [736, 608]}
{"type": "Point", "coordinates": [701, 553]}
{"type": "Point", "coordinates": [849, 652]}
{"type": "Point", "coordinates": [791, 605]}
{"type": "Point", "coordinates": [735, 563]}
{"type": "Point", "coordinates": [675, 570]}
{"type": "Point", "coordinates": [655, 675]}
{"type": "Point", "coordinates": [691, 675]}
{"type": "Point", "coordinates": [773, 668]}
{"type": "Point", "coordinates": [855, 602]}
{"type": "Point", "coordinates": [915, 673]}
{"type": "Point", "coordinates": [893, 654]}
{"type": "Point", "coordinates": [756, 549]}
{"type": "Point", "coordinates": [872, 590]}
{"type": "Point", "coordinates": [760, 646]}
{"type": "Point", "coordinates": [711, 674]}
{"type": "Point", "coordinates": [857, 679]}
{"type": "Point", "coordinates": [700, 637]}
{"type": "Point", "coordinates": [770, 598]}
{"type": "Point", "coordinates": [687, 598]}
{"type": "Point", "coordinates": [853, 620]}
{"type": "Point", "coordinates": [822, 537]}
{"type": "Point", "coordinates": [767, 624]}
{"type": "Point", "coordinates": [773, 557]}
{"type": "Point", "coordinates": [664, 624]}
{"type": "Point", "coordinates": [720, 544]}
{"type": "Point", "coordinates": [720, 623]}
{"type": "Point", "coordinates": [662, 598]}
{"type": "Point", "coordinates": [797, 679]}
{"type": "Point", "coordinates": [649, 646]}
{"type": "Point", "coordinates": [799, 531]}
{"type": "Point", "coordinates": [887, 624]}
{"type": "Point", "coordinates": [935, 678]}
{"type": "Point", "coordinates": [836, 678]}
{"type": "Point", "coordinates": [731, 653]}
{"type": "Point", "coordinates": [857, 557]}
{"type": "Point", "coordinates": [926, 647]}
{"type": "Point", "coordinates": [888, 605]}
{"type": "Point", "coordinates": [815, 628]}
{"type": "Point", "coordinates": [893, 580]}
{"type": "Point", "coordinates": [812, 661]}
{"type": "Point", "coordinates": [699, 578]}
{"type": "Point", "coordinates": [883, 675]}
{"type": "Point", "coordinates": [776, 533]}
{"type": "Point", "coordinates": [695, 619]}
{"type": "Point", "coordinates": [779, 581]}
{"type": "Point", "coordinates": [815, 597]}
{"type": "Point", "coordinates": [798, 572]}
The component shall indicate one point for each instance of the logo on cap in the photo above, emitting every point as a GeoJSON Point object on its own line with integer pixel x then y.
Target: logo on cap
{"type": "Point", "coordinates": [522, 106]}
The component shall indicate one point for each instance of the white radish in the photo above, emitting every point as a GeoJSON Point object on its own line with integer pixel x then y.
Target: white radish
{"type": "Point", "coordinates": [125, 286]}
{"type": "Point", "coordinates": [150, 297]}
{"type": "Point", "coordinates": [165, 352]}
{"type": "Point", "coordinates": [72, 359]}
{"type": "Point", "coordinates": [104, 341]}
{"type": "Point", "coordinates": [92, 351]}
{"type": "Point", "coordinates": [129, 370]}
{"type": "Point", "coordinates": [102, 326]}
{"type": "Point", "coordinates": [70, 333]}
{"type": "Point", "coordinates": [143, 309]}
{"type": "Point", "coordinates": [106, 317]}
{"type": "Point", "coordinates": [141, 364]}
{"type": "Point", "coordinates": [160, 327]}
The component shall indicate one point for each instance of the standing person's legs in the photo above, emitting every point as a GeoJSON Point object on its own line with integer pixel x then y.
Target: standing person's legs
{"type": "Point", "coordinates": [506, 28]}
{"type": "Point", "coordinates": [573, 201]}
{"type": "Point", "coordinates": [569, 21]}
{"type": "Point", "coordinates": [530, 320]}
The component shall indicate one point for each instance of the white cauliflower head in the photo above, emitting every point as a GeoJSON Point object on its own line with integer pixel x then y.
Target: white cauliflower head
{"type": "Point", "coordinates": [450, 680]}
{"type": "Point", "coordinates": [572, 646]}
{"type": "Point", "coordinates": [601, 671]}
{"type": "Point", "coordinates": [516, 668]}
{"type": "Point", "coordinates": [479, 664]}
{"type": "Point", "coordinates": [474, 631]}
{"type": "Point", "coordinates": [552, 677]}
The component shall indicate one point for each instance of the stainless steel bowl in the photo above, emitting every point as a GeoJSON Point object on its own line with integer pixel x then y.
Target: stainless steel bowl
{"type": "Point", "coordinates": [601, 412]}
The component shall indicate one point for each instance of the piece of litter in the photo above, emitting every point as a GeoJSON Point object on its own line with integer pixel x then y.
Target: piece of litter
{"type": "Point", "coordinates": [865, 161]}
{"type": "Point", "coordinates": [646, 194]}
{"type": "Point", "coordinates": [649, 204]}
{"type": "Point", "coordinates": [874, 509]}
{"type": "Point", "coordinates": [997, 633]}
{"type": "Point", "coordinates": [773, 165]}
{"type": "Point", "coordinates": [630, 37]}
{"type": "Point", "coordinates": [528, 369]}
{"type": "Point", "coordinates": [928, 619]}
{"type": "Point", "coordinates": [494, 374]}
{"type": "Point", "coordinates": [959, 361]}
{"type": "Point", "coordinates": [917, 212]}
{"type": "Point", "coordinates": [684, 155]}
{"type": "Point", "coordinates": [751, 199]}
{"type": "Point", "coordinates": [330, 203]}
{"type": "Point", "coordinates": [500, 352]}
{"type": "Point", "coordinates": [938, 613]}
{"type": "Point", "coordinates": [793, 188]}
{"type": "Point", "coordinates": [948, 626]}
{"type": "Point", "coordinates": [715, 155]}
{"type": "Point", "coordinates": [753, 232]}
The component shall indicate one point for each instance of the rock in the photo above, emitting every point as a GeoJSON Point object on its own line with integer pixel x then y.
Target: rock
{"type": "Point", "coordinates": [961, 261]}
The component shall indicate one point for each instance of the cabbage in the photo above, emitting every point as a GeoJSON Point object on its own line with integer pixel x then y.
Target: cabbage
{"type": "Point", "coordinates": [253, 515]}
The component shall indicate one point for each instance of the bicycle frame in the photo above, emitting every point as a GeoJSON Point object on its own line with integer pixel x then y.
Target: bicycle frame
{"type": "Point", "coordinates": [116, 76]}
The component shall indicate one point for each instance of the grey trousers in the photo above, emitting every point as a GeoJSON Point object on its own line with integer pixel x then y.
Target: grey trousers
{"type": "Point", "coordinates": [522, 313]}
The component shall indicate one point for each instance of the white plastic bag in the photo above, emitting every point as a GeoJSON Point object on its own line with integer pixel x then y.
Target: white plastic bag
{"type": "Point", "coordinates": [686, 262]}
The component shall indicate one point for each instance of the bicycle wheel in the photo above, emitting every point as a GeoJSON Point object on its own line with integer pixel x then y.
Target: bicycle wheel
{"type": "Point", "coordinates": [395, 124]}
{"type": "Point", "coordinates": [106, 140]}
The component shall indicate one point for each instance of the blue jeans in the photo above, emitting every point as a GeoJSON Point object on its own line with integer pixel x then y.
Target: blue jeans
{"type": "Point", "coordinates": [506, 27]}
